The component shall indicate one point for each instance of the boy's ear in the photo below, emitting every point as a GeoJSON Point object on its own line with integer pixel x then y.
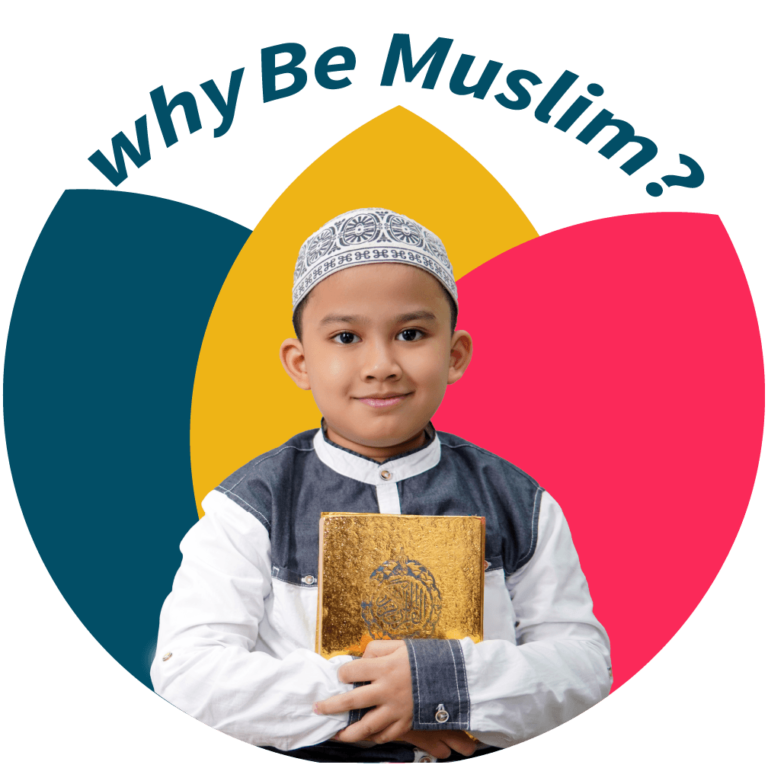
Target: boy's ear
{"type": "Point", "coordinates": [461, 354]}
{"type": "Point", "coordinates": [294, 362]}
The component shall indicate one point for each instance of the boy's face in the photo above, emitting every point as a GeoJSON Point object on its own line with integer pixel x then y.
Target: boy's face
{"type": "Point", "coordinates": [377, 353]}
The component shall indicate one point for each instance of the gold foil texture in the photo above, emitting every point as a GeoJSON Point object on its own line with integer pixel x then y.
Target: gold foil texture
{"type": "Point", "coordinates": [398, 576]}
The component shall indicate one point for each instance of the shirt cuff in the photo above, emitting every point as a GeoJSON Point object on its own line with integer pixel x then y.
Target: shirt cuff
{"type": "Point", "coordinates": [439, 683]}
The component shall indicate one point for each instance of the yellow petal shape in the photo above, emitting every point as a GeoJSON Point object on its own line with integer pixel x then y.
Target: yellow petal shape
{"type": "Point", "coordinates": [243, 402]}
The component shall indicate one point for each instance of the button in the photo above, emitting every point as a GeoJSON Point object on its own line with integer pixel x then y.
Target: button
{"type": "Point", "coordinates": [309, 579]}
{"type": "Point", "coordinates": [426, 759]}
{"type": "Point", "coordinates": [385, 474]}
{"type": "Point", "coordinates": [167, 656]}
{"type": "Point", "coordinates": [441, 715]}
{"type": "Point", "coordinates": [420, 756]}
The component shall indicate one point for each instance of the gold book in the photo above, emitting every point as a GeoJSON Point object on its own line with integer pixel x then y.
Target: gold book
{"type": "Point", "coordinates": [391, 577]}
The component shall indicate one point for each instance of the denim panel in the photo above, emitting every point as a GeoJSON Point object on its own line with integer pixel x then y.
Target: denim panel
{"type": "Point", "coordinates": [251, 486]}
{"type": "Point", "coordinates": [393, 752]}
{"type": "Point", "coordinates": [439, 683]}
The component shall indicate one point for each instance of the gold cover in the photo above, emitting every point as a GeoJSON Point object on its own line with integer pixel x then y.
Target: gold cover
{"type": "Point", "coordinates": [398, 576]}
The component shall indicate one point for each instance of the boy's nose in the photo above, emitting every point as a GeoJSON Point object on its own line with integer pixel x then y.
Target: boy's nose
{"type": "Point", "coordinates": [380, 363]}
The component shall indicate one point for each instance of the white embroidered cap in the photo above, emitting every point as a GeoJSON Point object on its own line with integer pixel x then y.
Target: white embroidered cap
{"type": "Point", "coordinates": [370, 236]}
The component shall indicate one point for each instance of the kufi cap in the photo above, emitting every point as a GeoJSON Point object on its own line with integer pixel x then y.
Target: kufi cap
{"type": "Point", "coordinates": [370, 236]}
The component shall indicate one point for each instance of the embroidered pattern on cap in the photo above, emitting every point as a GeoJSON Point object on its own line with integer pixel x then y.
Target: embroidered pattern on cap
{"type": "Point", "coordinates": [370, 235]}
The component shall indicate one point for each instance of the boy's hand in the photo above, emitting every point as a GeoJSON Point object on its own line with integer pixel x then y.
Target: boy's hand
{"type": "Point", "coordinates": [385, 664]}
{"type": "Point", "coordinates": [440, 743]}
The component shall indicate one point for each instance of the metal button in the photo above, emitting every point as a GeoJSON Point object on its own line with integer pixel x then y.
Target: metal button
{"type": "Point", "coordinates": [426, 759]}
{"type": "Point", "coordinates": [309, 579]}
{"type": "Point", "coordinates": [441, 715]}
{"type": "Point", "coordinates": [167, 656]}
{"type": "Point", "coordinates": [385, 474]}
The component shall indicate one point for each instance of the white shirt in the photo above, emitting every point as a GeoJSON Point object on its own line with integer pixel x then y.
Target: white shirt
{"type": "Point", "coordinates": [235, 646]}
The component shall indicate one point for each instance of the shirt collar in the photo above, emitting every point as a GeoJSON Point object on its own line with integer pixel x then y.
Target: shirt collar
{"type": "Point", "coordinates": [359, 467]}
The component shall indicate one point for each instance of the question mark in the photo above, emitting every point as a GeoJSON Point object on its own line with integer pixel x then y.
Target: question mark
{"type": "Point", "coordinates": [694, 179]}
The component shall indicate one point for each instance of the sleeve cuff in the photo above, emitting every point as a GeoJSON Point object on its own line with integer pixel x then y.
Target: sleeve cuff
{"type": "Point", "coordinates": [439, 681]}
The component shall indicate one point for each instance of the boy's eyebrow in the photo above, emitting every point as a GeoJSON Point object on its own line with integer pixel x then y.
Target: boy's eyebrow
{"type": "Point", "coordinates": [408, 317]}
{"type": "Point", "coordinates": [330, 319]}
{"type": "Point", "coordinates": [420, 315]}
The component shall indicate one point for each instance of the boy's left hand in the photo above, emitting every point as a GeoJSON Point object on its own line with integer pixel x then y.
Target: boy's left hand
{"type": "Point", "coordinates": [385, 664]}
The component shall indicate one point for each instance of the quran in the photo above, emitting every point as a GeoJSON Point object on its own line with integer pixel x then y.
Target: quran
{"type": "Point", "coordinates": [392, 577]}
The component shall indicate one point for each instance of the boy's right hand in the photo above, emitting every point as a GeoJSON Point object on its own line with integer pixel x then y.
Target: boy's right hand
{"type": "Point", "coordinates": [440, 743]}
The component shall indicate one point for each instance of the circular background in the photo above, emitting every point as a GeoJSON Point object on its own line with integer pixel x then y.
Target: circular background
{"type": "Point", "coordinates": [618, 362]}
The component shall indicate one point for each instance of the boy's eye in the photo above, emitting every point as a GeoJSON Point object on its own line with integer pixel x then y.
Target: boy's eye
{"type": "Point", "coordinates": [346, 337]}
{"type": "Point", "coordinates": [410, 334]}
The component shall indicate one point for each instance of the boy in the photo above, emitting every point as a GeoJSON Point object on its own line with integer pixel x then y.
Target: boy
{"type": "Point", "coordinates": [377, 347]}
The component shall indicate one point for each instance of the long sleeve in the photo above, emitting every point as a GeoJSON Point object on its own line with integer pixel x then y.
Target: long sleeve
{"type": "Point", "coordinates": [206, 662]}
{"type": "Point", "coordinates": [505, 693]}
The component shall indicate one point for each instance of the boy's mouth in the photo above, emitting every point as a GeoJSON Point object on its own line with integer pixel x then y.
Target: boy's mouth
{"type": "Point", "coordinates": [382, 401]}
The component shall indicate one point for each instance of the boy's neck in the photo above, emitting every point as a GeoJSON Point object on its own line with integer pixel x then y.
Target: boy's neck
{"type": "Point", "coordinates": [377, 453]}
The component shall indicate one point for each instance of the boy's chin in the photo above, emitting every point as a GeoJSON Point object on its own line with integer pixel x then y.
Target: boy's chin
{"type": "Point", "coordinates": [382, 438]}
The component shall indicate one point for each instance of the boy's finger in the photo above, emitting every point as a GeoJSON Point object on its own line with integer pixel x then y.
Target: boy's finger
{"type": "Point", "coordinates": [377, 648]}
{"type": "Point", "coordinates": [429, 741]}
{"type": "Point", "coordinates": [339, 703]}
{"type": "Point", "coordinates": [373, 723]}
{"type": "Point", "coordinates": [360, 671]}
{"type": "Point", "coordinates": [460, 742]}
{"type": "Point", "coordinates": [361, 698]}
{"type": "Point", "coordinates": [394, 731]}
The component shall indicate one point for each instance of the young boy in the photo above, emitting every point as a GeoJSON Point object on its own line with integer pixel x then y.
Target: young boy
{"type": "Point", "coordinates": [377, 348]}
